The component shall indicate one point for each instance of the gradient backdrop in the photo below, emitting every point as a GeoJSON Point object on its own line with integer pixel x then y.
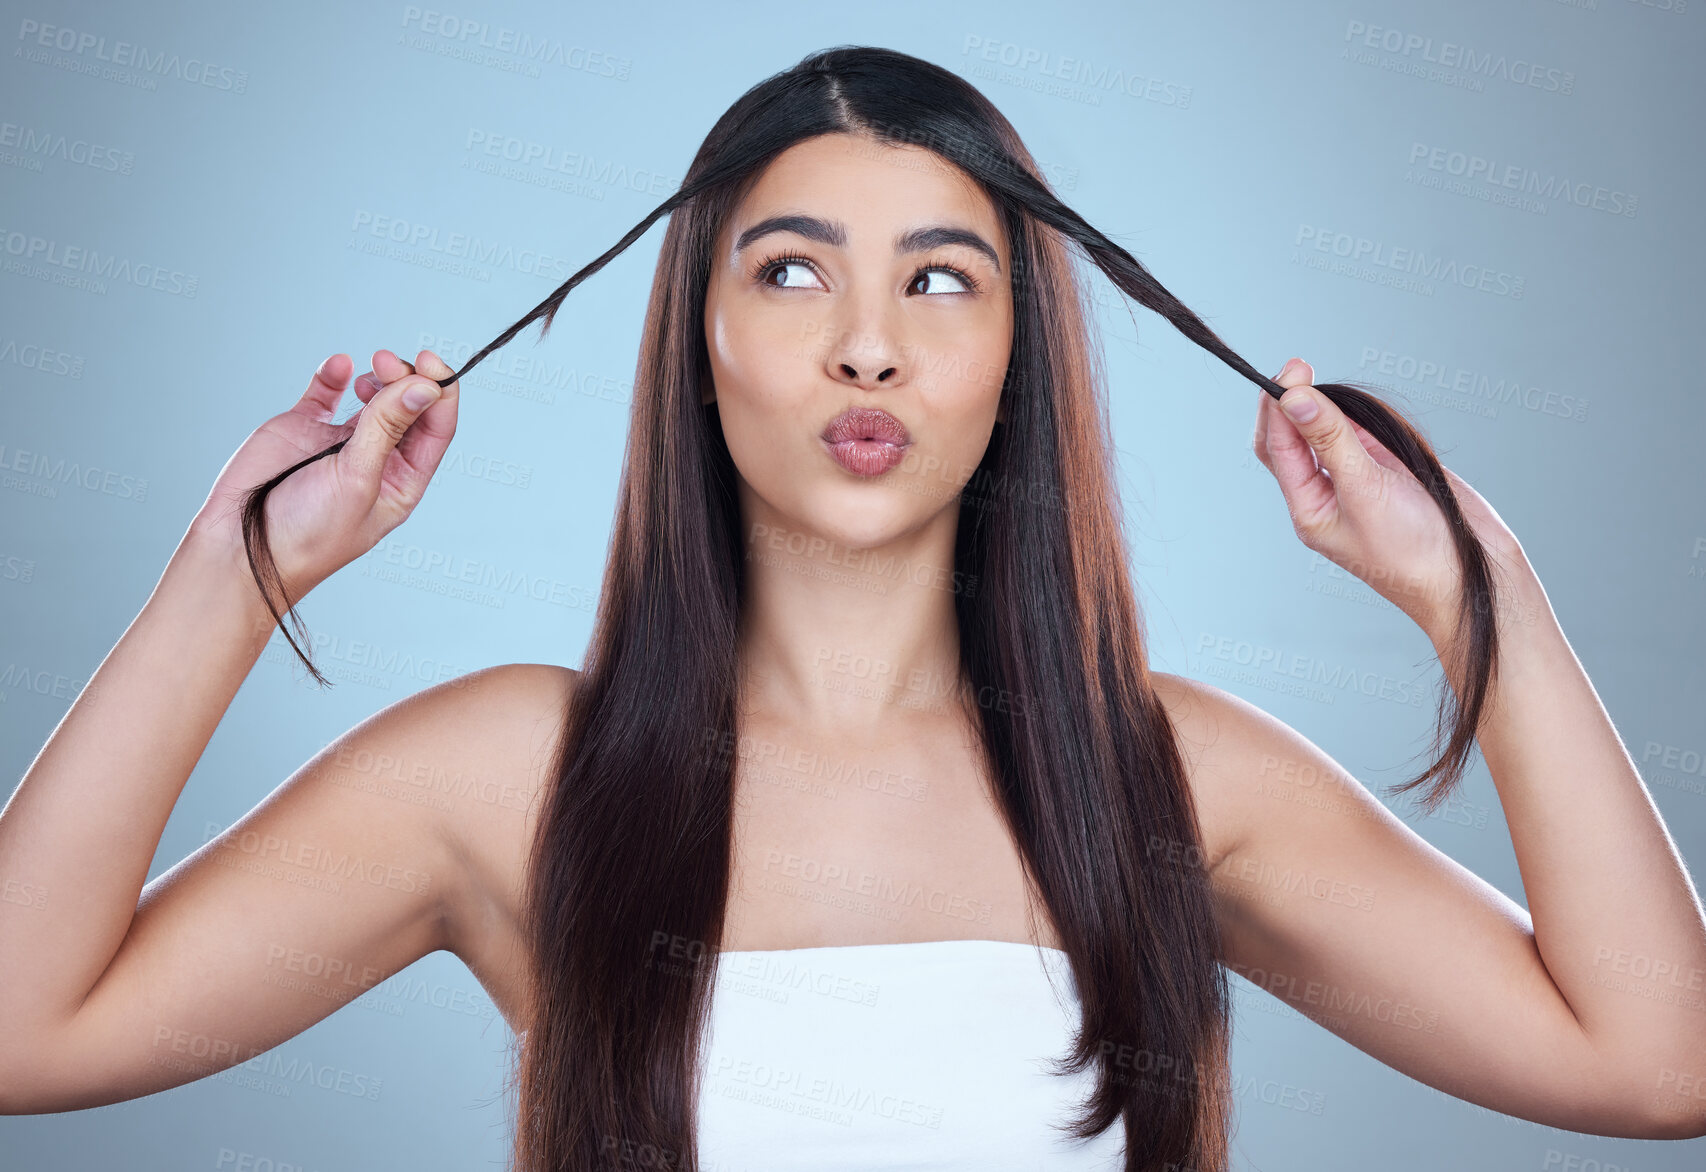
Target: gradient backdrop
{"type": "Point", "coordinates": [1511, 249]}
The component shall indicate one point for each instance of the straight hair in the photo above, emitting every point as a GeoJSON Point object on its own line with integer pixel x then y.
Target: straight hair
{"type": "Point", "coordinates": [630, 865]}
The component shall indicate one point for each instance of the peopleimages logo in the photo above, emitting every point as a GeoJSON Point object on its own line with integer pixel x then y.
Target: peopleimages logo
{"type": "Point", "coordinates": [454, 246]}
{"type": "Point", "coordinates": [1413, 262]}
{"type": "Point", "coordinates": [34, 144]}
{"type": "Point", "coordinates": [1501, 390]}
{"type": "Point", "coordinates": [475, 40]}
{"type": "Point", "coordinates": [605, 172]}
{"type": "Point", "coordinates": [36, 37]}
{"type": "Point", "coordinates": [1528, 181]}
{"type": "Point", "coordinates": [86, 268]}
{"type": "Point", "coordinates": [46, 359]}
{"type": "Point", "coordinates": [47, 472]}
{"type": "Point", "coordinates": [1077, 71]}
{"type": "Point", "coordinates": [1451, 55]}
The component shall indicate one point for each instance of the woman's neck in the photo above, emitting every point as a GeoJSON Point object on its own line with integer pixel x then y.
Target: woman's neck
{"type": "Point", "coordinates": [833, 635]}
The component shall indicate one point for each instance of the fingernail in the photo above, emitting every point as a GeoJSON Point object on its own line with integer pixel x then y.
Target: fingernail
{"type": "Point", "coordinates": [420, 395]}
{"type": "Point", "coordinates": [1298, 405]}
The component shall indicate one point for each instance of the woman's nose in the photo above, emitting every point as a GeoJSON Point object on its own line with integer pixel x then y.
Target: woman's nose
{"type": "Point", "coordinates": [874, 371]}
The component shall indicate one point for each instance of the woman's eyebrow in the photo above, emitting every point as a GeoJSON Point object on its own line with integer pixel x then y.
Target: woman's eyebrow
{"type": "Point", "coordinates": [834, 233]}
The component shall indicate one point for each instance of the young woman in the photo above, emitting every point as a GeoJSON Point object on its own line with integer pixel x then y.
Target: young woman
{"type": "Point", "coordinates": [865, 805]}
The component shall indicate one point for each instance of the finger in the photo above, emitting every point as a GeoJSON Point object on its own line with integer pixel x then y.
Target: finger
{"type": "Point", "coordinates": [427, 356]}
{"type": "Point", "coordinates": [389, 367]}
{"type": "Point", "coordinates": [1259, 441]}
{"type": "Point", "coordinates": [1259, 438]}
{"type": "Point", "coordinates": [379, 427]}
{"type": "Point", "coordinates": [439, 368]}
{"type": "Point", "coordinates": [424, 444]}
{"type": "Point", "coordinates": [1326, 430]}
{"type": "Point", "coordinates": [367, 386]}
{"type": "Point", "coordinates": [1295, 373]}
{"type": "Point", "coordinates": [1293, 462]}
{"type": "Point", "coordinates": [326, 388]}
{"type": "Point", "coordinates": [1307, 487]}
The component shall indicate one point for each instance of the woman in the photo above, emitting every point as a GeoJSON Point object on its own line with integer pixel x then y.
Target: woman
{"type": "Point", "coordinates": [865, 699]}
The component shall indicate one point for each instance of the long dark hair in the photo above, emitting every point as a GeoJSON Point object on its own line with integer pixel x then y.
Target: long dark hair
{"type": "Point", "coordinates": [629, 870]}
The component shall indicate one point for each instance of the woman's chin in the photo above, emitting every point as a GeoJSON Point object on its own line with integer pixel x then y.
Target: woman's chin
{"type": "Point", "coordinates": [866, 516]}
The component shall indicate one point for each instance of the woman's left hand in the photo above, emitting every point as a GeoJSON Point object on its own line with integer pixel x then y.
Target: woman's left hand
{"type": "Point", "coordinates": [1354, 503]}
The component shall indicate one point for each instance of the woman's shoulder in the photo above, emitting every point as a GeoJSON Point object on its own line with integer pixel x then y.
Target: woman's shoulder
{"type": "Point", "coordinates": [511, 718]}
{"type": "Point", "coordinates": [511, 706]}
{"type": "Point", "coordinates": [1226, 744]}
{"type": "Point", "coordinates": [495, 768]}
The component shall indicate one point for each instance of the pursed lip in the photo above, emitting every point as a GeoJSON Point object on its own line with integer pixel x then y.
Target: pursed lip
{"type": "Point", "coordinates": [867, 423]}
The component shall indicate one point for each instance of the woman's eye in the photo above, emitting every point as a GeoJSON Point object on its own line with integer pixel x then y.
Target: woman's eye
{"type": "Point", "coordinates": [943, 274]}
{"type": "Point", "coordinates": [781, 268]}
{"type": "Point", "coordinates": [775, 275]}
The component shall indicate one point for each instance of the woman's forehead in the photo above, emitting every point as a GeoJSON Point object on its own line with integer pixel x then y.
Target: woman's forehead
{"type": "Point", "coordinates": [871, 189]}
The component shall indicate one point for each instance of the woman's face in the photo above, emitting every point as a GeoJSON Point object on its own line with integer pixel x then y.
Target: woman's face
{"type": "Point", "coordinates": [854, 303]}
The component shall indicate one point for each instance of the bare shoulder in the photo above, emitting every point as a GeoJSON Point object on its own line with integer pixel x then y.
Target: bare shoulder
{"type": "Point", "coordinates": [402, 837]}
{"type": "Point", "coordinates": [1228, 745]}
{"type": "Point", "coordinates": [490, 787]}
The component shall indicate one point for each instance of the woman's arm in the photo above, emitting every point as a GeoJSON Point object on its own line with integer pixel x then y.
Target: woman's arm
{"type": "Point", "coordinates": [1616, 917]}
{"type": "Point", "coordinates": [113, 992]}
{"type": "Point", "coordinates": [81, 829]}
{"type": "Point", "coordinates": [1589, 1010]}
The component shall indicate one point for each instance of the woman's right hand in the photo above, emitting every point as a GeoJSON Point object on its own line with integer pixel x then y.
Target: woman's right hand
{"type": "Point", "coordinates": [325, 515]}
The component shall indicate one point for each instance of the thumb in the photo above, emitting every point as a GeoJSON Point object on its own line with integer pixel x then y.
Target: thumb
{"type": "Point", "coordinates": [380, 425]}
{"type": "Point", "coordinates": [1321, 424]}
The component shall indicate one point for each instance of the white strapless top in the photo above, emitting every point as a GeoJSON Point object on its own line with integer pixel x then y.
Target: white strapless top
{"type": "Point", "coordinates": [895, 1056]}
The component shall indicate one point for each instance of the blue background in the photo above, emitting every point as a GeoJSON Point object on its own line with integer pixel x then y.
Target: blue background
{"type": "Point", "coordinates": [1252, 147]}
